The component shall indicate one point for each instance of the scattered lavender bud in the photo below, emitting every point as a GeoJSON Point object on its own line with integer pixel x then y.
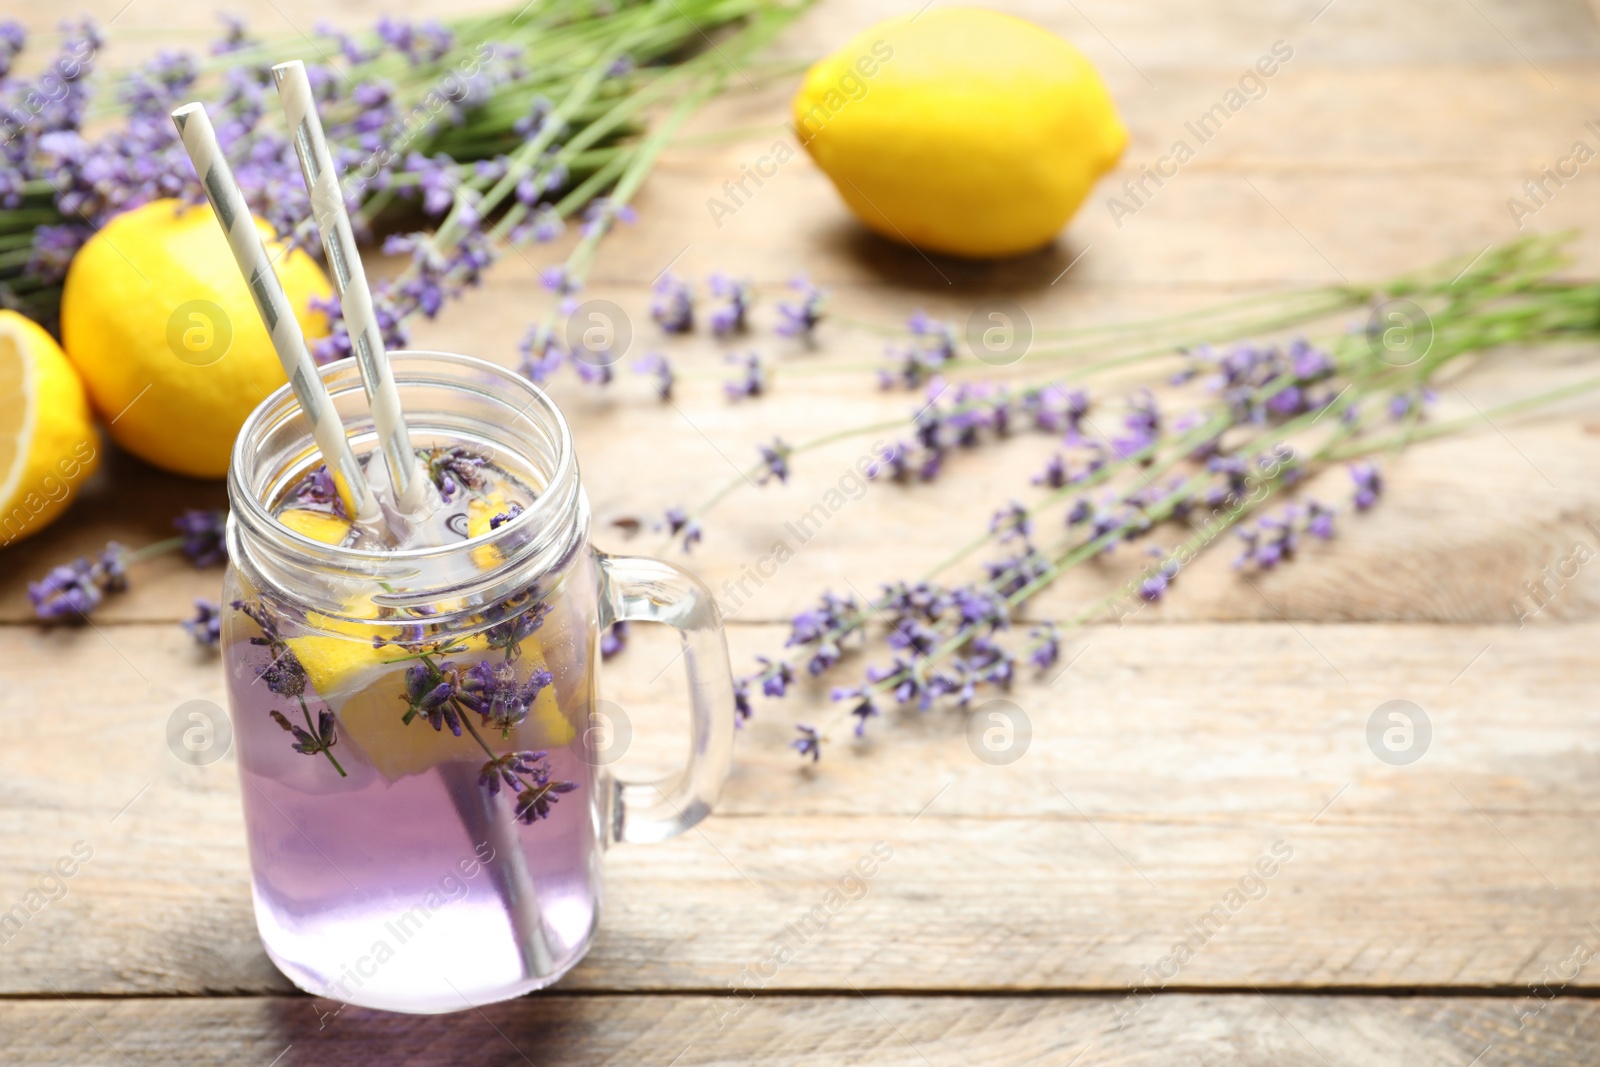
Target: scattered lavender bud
{"type": "Point", "coordinates": [1011, 521]}
{"type": "Point", "coordinates": [774, 461]}
{"type": "Point", "coordinates": [603, 213]}
{"type": "Point", "coordinates": [656, 365]}
{"type": "Point", "coordinates": [206, 626]}
{"type": "Point", "coordinates": [677, 522]}
{"type": "Point", "coordinates": [541, 355]}
{"type": "Point", "coordinates": [66, 591]}
{"type": "Point", "coordinates": [730, 317]}
{"type": "Point", "coordinates": [204, 540]}
{"type": "Point", "coordinates": [1369, 484]}
{"type": "Point", "coordinates": [741, 701]}
{"type": "Point", "coordinates": [809, 743]}
{"type": "Point", "coordinates": [800, 317]}
{"type": "Point", "coordinates": [1054, 475]}
{"type": "Point", "coordinates": [753, 382]}
{"type": "Point", "coordinates": [1045, 648]}
{"type": "Point", "coordinates": [673, 304]}
{"type": "Point", "coordinates": [614, 640]}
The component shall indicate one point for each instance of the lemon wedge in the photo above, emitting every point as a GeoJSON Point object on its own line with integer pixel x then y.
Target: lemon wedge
{"type": "Point", "coordinates": [317, 525]}
{"type": "Point", "coordinates": [365, 687]}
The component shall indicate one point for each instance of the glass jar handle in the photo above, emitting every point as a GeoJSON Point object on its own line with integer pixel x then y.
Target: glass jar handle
{"type": "Point", "coordinates": [638, 589]}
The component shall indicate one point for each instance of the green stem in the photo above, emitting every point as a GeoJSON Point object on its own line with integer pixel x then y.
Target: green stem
{"type": "Point", "coordinates": [326, 750]}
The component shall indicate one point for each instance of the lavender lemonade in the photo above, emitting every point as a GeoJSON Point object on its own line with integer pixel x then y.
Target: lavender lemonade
{"type": "Point", "coordinates": [413, 700]}
{"type": "Point", "coordinates": [404, 781]}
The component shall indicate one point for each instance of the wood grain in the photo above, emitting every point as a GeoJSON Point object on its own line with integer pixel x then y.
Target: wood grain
{"type": "Point", "coordinates": [1161, 767]}
{"type": "Point", "coordinates": [1250, 1029]}
{"type": "Point", "coordinates": [1175, 751]}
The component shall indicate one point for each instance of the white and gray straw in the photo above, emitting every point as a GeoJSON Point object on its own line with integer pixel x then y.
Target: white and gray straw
{"type": "Point", "coordinates": [344, 262]}
{"type": "Point", "coordinates": [216, 177]}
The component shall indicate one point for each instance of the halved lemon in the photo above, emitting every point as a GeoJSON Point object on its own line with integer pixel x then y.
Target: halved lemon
{"type": "Point", "coordinates": [48, 443]}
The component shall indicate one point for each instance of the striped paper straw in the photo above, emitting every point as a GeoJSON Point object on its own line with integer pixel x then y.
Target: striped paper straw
{"type": "Point", "coordinates": [338, 241]}
{"type": "Point", "coordinates": [227, 201]}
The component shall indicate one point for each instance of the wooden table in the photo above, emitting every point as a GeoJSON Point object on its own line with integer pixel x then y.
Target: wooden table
{"type": "Point", "coordinates": [1425, 914]}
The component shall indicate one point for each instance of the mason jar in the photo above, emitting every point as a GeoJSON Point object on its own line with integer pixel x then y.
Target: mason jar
{"type": "Point", "coordinates": [423, 765]}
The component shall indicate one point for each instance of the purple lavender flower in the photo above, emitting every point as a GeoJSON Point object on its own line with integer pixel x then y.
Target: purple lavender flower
{"type": "Point", "coordinates": [336, 345]}
{"type": "Point", "coordinates": [419, 42]}
{"type": "Point", "coordinates": [206, 626]}
{"type": "Point", "coordinates": [305, 742]}
{"type": "Point", "coordinates": [509, 634]}
{"type": "Point", "coordinates": [822, 628]}
{"type": "Point", "coordinates": [1011, 521]}
{"type": "Point", "coordinates": [66, 591]}
{"type": "Point", "coordinates": [865, 708]}
{"type": "Point", "coordinates": [776, 677]}
{"type": "Point", "coordinates": [1045, 647]}
{"type": "Point", "coordinates": [657, 366]}
{"type": "Point", "coordinates": [774, 461]}
{"type": "Point", "coordinates": [742, 711]}
{"type": "Point", "coordinates": [809, 743]}
{"type": "Point", "coordinates": [729, 318]}
{"type": "Point", "coordinates": [534, 803]}
{"type": "Point", "coordinates": [53, 247]}
{"type": "Point", "coordinates": [678, 521]}
{"type": "Point", "coordinates": [533, 122]}
{"type": "Point", "coordinates": [556, 279]}
{"type": "Point", "coordinates": [614, 640]}
{"type": "Point", "coordinates": [1369, 484]}
{"type": "Point", "coordinates": [800, 318]}
{"type": "Point", "coordinates": [283, 673]}
{"type": "Point", "coordinates": [500, 518]}
{"type": "Point", "coordinates": [1143, 423]}
{"type": "Point", "coordinates": [1319, 520]}
{"type": "Point", "coordinates": [13, 39]}
{"type": "Point", "coordinates": [1054, 475]}
{"type": "Point", "coordinates": [204, 536]}
{"type": "Point", "coordinates": [543, 224]}
{"type": "Point", "coordinates": [234, 37]}
{"type": "Point", "coordinates": [495, 692]}
{"type": "Point", "coordinates": [753, 380]}
{"type": "Point", "coordinates": [938, 339]}
{"type": "Point", "coordinates": [317, 491]}
{"type": "Point", "coordinates": [673, 304]}
{"type": "Point", "coordinates": [453, 468]}
{"type": "Point", "coordinates": [508, 769]}
{"type": "Point", "coordinates": [603, 213]}
{"type": "Point", "coordinates": [541, 355]}
{"type": "Point", "coordinates": [428, 693]}
{"type": "Point", "coordinates": [1155, 584]}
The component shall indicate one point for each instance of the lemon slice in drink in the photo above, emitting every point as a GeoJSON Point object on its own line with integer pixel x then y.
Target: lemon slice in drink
{"type": "Point", "coordinates": [317, 525]}
{"type": "Point", "coordinates": [365, 687]}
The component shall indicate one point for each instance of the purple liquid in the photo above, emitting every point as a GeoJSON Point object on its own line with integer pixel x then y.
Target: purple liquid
{"type": "Point", "coordinates": [412, 888]}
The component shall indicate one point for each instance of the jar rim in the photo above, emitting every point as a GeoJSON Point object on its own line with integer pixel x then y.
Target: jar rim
{"type": "Point", "coordinates": [528, 535]}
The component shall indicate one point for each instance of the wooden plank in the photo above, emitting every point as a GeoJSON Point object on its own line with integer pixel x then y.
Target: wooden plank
{"type": "Point", "coordinates": [1161, 768]}
{"type": "Point", "coordinates": [769, 551]}
{"type": "Point", "coordinates": [555, 1031]}
{"type": "Point", "coordinates": [1121, 41]}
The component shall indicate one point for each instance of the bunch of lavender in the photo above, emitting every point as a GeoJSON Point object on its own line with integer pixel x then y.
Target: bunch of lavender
{"type": "Point", "coordinates": [70, 592]}
{"type": "Point", "coordinates": [500, 125]}
{"type": "Point", "coordinates": [1204, 445]}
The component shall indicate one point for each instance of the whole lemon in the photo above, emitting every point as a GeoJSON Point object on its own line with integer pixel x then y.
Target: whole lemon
{"type": "Point", "coordinates": [960, 131]}
{"type": "Point", "coordinates": [160, 323]}
{"type": "Point", "coordinates": [48, 443]}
